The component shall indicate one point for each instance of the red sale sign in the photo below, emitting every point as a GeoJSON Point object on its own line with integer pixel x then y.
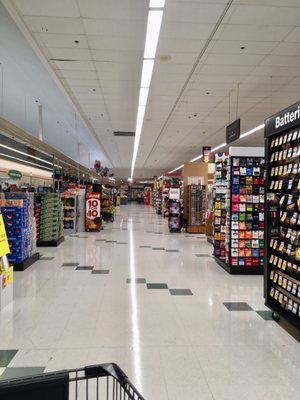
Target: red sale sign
{"type": "Point", "coordinates": [92, 212]}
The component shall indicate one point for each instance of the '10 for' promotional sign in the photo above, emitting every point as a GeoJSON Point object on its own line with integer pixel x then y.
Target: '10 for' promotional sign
{"type": "Point", "coordinates": [93, 212]}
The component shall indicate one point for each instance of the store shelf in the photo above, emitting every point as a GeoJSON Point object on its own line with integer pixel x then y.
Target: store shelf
{"type": "Point", "coordinates": [239, 270]}
{"type": "Point", "coordinates": [282, 265]}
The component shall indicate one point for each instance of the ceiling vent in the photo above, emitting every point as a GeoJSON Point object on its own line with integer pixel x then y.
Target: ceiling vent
{"type": "Point", "coordinates": [124, 134]}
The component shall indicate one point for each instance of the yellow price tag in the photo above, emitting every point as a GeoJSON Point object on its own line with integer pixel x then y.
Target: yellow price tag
{"type": "Point", "coordinates": [4, 247]}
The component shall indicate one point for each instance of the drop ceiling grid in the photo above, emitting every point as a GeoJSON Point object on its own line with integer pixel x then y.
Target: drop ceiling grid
{"type": "Point", "coordinates": [234, 59]}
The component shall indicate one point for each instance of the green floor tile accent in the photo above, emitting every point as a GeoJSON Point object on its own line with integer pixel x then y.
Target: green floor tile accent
{"type": "Point", "coordinates": [266, 315]}
{"type": "Point", "coordinates": [100, 240]}
{"type": "Point", "coordinates": [158, 248]}
{"type": "Point", "coordinates": [122, 242]}
{"type": "Point", "coordinates": [202, 255]}
{"type": "Point", "coordinates": [84, 268]}
{"type": "Point", "coordinates": [69, 264]}
{"type": "Point", "coordinates": [181, 292]}
{"type": "Point", "coordinates": [172, 251]}
{"type": "Point", "coordinates": [82, 237]}
{"type": "Point", "coordinates": [136, 280]}
{"type": "Point", "coordinates": [111, 241]}
{"type": "Point", "coordinates": [100, 271]}
{"type": "Point", "coordinates": [20, 372]}
{"type": "Point", "coordinates": [46, 258]}
{"type": "Point", "coordinates": [157, 286]}
{"type": "Point", "coordinates": [145, 247]}
{"type": "Point", "coordinates": [236, 306]}
{"type": "Point", "coordinates": [6, 356]}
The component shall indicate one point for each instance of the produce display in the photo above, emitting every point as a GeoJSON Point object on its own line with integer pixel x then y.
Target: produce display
{"type": "Point", "coordinates": [108, 208]}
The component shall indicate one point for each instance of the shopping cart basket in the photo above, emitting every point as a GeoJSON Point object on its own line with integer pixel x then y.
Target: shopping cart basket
{"type": "Point", "coordinates": [94, 382]}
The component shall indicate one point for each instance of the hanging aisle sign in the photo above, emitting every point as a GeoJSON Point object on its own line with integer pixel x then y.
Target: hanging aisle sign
{"type": "Point", "coordinates": [4, 247]}
{"type": "Point", "coordinates": [14, 174]}
{"type": "Point", "coordinates": [233, 131]}
{"type": "Point", "coordinates": [206, 154]}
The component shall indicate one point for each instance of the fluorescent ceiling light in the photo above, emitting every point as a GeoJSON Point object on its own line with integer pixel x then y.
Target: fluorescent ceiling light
{"type": "Point", "coordinates": [157, 3]}
{"type": "Point", "coordinates": [26, 162]}
{"type": "Point", "coordinates": [176, 169]}
{"type": "Point", "coordinates": [27, 155]}
{"type": "Point", "coordinates": [147, 72]}
{"type": "Point", "coordinates": [258, 128]}
{"type": "Point", "coordinates": [196, 158]}
{"type": "Point", "coordinates": [160, 177]}
{"type": "Point", "coordinates": [111, 179]}
{"type": "Point", "coordinates": [152, 35]}
{"type": "Point", "coordinates": [218, 147]}
{"type": "Point", "coordinates": [143, 96]}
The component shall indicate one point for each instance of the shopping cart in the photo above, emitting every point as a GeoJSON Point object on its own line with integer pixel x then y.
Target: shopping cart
{"type": "Point", "coordinates": [94, 382]}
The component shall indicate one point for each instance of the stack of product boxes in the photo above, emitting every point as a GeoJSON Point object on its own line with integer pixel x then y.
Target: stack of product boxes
{"type": "Point", "coordinates": [49, 219]}
{"type": "Point", "coordinates": [16, 218]}
{"type": "Point", "coordinates": [32, 224]}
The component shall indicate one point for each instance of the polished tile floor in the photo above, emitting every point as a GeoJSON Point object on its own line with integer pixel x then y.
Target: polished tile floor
{"type": "Point", "coordinates": [155, 303]}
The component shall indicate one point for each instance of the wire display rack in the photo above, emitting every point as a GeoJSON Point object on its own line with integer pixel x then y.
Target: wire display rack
{"type": "Point", "coordinates": [94, 382]}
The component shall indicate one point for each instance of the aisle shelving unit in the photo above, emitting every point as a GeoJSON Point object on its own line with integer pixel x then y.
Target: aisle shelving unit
{"type": "Point", "coordinates": [70, 204]}
{"type": "Point", "coordinates": [244, 225]}
{"type": "Point", "coordinates": [220, 210]}
{"type": "Point", "coordinates": [282, 232]}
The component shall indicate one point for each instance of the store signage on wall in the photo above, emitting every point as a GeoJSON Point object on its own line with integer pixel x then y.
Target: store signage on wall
{"type": "Point", "coordinates": [233, 131]}
{"type": "Point", "coordinates": [286, 119]}
{"type": "Point", "coordinates": [14, 174]}
{"type": "Point", "coordinates": [4, 247]}
{"type": "Point", "coordinates": [206, 153]}
{"type": "Point", "coordinates": [174, 193]}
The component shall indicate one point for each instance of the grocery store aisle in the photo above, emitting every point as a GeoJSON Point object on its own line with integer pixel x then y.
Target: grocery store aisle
{"type": "Point", "coordinates": [153, 302]}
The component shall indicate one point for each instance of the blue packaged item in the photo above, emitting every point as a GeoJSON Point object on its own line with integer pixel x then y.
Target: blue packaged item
{"type": "Point", "coordinates": [249, 171]}
{"type": "Point", "coordinates": [235, 189]}
{"type": "Point", "coordinates": [241, 261]}
{"type": "Point", "coordinates": [255, 252]}
{"type": "Point", "coordinates": [235, 180]}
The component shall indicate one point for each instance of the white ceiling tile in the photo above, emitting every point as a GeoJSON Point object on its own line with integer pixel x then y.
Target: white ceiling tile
{"type": "Point", "coordinates": [69, 54]}
{"type": "Point", "coordinates": [55, 25]}
{"type": "Point", "coordinates": [234, 47]}
{"type": "Point", "coordinates": [115, 43]}
{"type": "Point", "coordinates": [167, 45]}
{"type": "Point", "coordinates": [60, 40]}
{"type": "Point", "coordinates": [282, 61]}
{"type": "Point", "coordinates": [254, 32]}
{"type": "Point", "coordinates": [73, 65]}
{"type": "Point", "coordinates": [294, 35]}
{"type": "Point", "coordinates": [265, 15]}
{"type": "Point", "coordinates": [107, 27]}
{"type": "Point", "coordinates": [272, 3]}
{"type": "Point", "coordinates": [226, 69]}
{"type": "Point", "coordinates": [275, 71]}
{"type": "Point", "coordinates": [91, 83]}
{"type": "Point", "coordinates": [233, 59]}
{"type": "Point", "coordinates": [287, 49]}
{"type": "Point", "coordinates": [205, 13]}
{"type": "Point", "coordinates": [107, 9]}
{"type": "Point", "coordinates": [54, 8]}
{"type": "Point", "coordinates": [117, 56]}
{"type": "Point", "coordinates": [184, 31]}
{"type": "Point", "coordinates": [77, 74]}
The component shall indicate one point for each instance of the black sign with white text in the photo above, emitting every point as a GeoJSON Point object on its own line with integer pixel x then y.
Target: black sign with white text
{"type": "Point", "coordinates": [285, 119]}
{"type": "Point", "coordinates": [233, 131]}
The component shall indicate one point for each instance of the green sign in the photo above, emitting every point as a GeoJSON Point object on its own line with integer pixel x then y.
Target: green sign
{"type": "Point", "coordinates": [14, 174]}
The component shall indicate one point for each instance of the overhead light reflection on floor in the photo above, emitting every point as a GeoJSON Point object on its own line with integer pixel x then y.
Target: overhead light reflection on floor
{"type": "Point", "coordinates": [135, 328]}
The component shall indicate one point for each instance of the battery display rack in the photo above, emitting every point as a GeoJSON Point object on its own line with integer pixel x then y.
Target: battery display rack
{"type": "Point", "coordinates": [244, 220]}
{"type": "Point", "coordinates": [282, 263]}
{"type": "Point", "coordinates": [220, 210]}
